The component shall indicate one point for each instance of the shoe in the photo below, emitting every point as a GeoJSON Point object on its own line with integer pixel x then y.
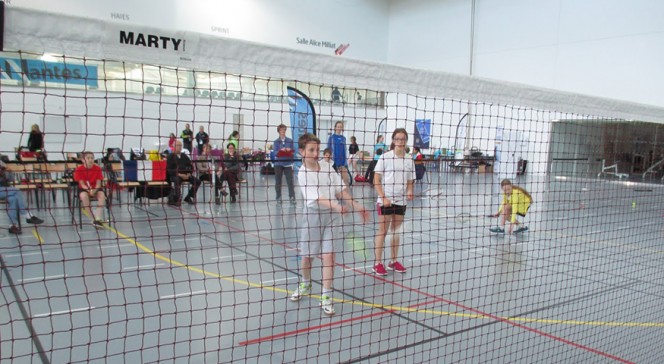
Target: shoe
{"type": "Point", "coordinates": [303, 289]}
{"type": "Point", "coordinates": [173, 203]}
{"type": "Point", "coordinates": [224, 193]}
{"type": "Point", "coordinates": [98, 224]}
{"type": "Point", "coordinates": [497, 230]}
{"type": "Point", "coordinates": [521, 229]}
{"type": "Point", "coordinates": [293, 202]}
{"type": "Point", "coordinates": [242, 180]}
{"type": "Point", "coordinates": [379, 269]}
{"type": "Point", "coordinates": [326, 304]}
{"type": "Point", "coordinates": [279, 202]}
{"type": "Point", "coordinates": [34, 220]}
{"type": "Point", "coordinates": [233, 199]}
{"type": "Point", "coordinates": [217, 201]}
{"type": "Point", "coordinates": [396, 266]}
{"type": "Point", "coordinates": [14, 230]}
{"type": "Point", "coordinates": [189, 200]}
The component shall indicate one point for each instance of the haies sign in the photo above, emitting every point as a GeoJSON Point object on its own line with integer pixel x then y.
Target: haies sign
{"type": "Point", "coordinates": [152, 41]}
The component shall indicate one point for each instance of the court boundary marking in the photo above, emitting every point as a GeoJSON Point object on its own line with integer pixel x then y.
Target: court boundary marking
{"type": "Point", "coordinates": [477, 313]}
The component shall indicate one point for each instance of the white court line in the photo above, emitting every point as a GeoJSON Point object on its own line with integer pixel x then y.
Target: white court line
{"type": "Point", "coordinates": [183, 294]}
{"type": "Point", "coordinates": [356, 268]}
{"type": "Point", "coordinates": [422, 258]}
{"type": "Point", "coordinates": [474, 250]}
{"type": "Point", "coordinates": [228, 256]}
{"type": "Point", "coordinates": [622, 228]}
{"type": "Point", "coordinates": [594, 232]}
{"type": "Point", "coordinates": [24, 254]}
{"type": "Point", "coordinates": [142, 266]}
{"type": "Point", "coordinates": [163, 226]}
{"type": "Point", "coordinates": [42, 278]}
{"type": "Point", "coordinates": [63, 312]}
{"type": "Point", "coordinates": [280, 279]}
{"type": "Point", "coordinates": [116, 246]}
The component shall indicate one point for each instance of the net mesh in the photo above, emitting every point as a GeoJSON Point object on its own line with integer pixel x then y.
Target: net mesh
{"type": "Point", "coordinates": [162, 280]}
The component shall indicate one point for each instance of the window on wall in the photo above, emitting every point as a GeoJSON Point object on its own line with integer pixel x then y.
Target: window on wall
{"type": "Point", "coordinates": [131, 77]}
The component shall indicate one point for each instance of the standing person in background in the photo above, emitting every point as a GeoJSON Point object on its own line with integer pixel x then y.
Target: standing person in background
{"type": "Point", "coordinates": [283, 164]}
{"type": "Point", "coordinates": [337, 144]}
{"type": "Point", "coordinates": [234, 139]}
{"type": "Point", "coordinates": [393, 180]}
{"type": "Point", "coordinates": [353, 148]}
{"type": "Point", "coordinates": [202, 138]}
{"type": "Point", "coordinates": [380, 144]}
{"type": "Point", "coordinates": [36, 139]}
{"type": "Point", "coordinates": [327, 157]}
{"type": "Point", "coordinates": [171, 142]}
{"type": "Point", "coordinates": [187, 136]}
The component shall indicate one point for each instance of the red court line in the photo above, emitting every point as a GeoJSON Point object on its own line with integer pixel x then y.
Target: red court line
{"type": "Point", "coordinates": [330, 324]}
{"type": "Point", "coordinates": [453, 303]}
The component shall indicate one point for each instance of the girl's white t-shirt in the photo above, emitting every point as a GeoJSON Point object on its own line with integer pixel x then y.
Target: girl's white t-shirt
{"type": "Point", "coordinates": [396, 172]}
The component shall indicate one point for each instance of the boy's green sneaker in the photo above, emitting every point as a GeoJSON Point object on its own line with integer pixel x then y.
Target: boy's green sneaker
{"type": "Point", "coordinates": [497, 230]}
{"type": "Point", "coordinates": [303, 289]}
{"type": "Point", "coordinates": [326, 304]}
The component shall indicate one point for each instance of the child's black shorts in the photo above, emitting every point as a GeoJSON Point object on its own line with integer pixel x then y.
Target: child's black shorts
{"type": "Point", "coordinates": [391, 210]}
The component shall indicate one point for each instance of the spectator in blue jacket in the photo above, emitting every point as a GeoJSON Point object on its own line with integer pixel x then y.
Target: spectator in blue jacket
{"type": "Point", "coordinates": [337, 144]}
{"type": "Point", "coordinates": [284, 150]}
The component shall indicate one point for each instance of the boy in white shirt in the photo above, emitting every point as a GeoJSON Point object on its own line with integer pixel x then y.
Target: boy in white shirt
{"type": "Point", "coordinates": [325, 195]}
{"type": "Point", "coordinates": [393, 180]}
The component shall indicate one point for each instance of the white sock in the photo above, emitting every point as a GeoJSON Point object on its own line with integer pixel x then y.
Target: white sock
{"type": "Point", "coordinates": [327, 292]}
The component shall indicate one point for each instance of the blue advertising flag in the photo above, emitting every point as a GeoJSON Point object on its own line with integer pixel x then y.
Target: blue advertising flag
{"type": "Point", "coordinates": [302, 116]}
{"type": "Point", "coordinates": [302, 113]}
{"type": "Point", "coordinates": [422, 133]}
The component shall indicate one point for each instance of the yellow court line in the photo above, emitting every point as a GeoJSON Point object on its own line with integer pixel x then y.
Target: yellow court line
{"type": "Point", "coordinates": [36, 234]}
{"type": "Point", "coordinates": [378, 306]}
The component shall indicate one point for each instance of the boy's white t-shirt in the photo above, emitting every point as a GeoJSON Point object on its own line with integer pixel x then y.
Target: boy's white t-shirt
{"type": "Point", "coordinates": [324, 183]}
{"type": "Point", "coordinates": [395, 174]}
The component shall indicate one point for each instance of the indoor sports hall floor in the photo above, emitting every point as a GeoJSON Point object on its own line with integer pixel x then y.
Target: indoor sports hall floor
{"type": "Point", "coordinates": [210, 283]}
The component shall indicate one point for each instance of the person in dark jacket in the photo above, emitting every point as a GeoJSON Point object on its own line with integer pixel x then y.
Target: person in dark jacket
{"type": "Point", "coordinates": [180, 169]}
{"type": "Point", "coordinates": [202, 138]}
{"type": "Point", "coordinates": [232, 168]}
{"type": "Point", "coordinates": [36, 139]}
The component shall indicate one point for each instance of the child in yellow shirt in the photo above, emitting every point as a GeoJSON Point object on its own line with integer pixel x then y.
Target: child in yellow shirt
{"type": "Point", "coordinates": [516, 201]}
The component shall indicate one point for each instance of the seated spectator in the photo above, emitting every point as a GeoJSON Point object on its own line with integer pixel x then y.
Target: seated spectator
{"type": "Point", "coordinates": [15, 203]}
{"type": "Point", "coordinates": [231, 170]}
{"type": "Point", "coordinates": [88, 177]}
{"type": "Point", "coordinates": [369, 174]}
{"type": "Point", "coordinates": [180, 169]}
{"type": "Point", "coordinates": [35, 139]}
{"type": "Point", "coordinates": [204, 165]}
